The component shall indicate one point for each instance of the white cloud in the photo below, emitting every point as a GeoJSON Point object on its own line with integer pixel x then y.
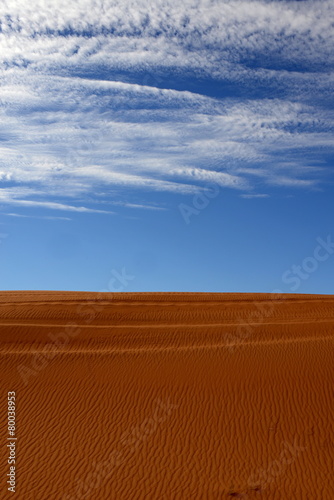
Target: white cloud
{"type": "Point", "coordinates": [76, 117]}
{"type": "Point", "coordinates": [45, 217]}
{"type": "Point", "coordinates": [137, 205]}
{"type": "Point", "coordinates": [253, 196]}
{"type": "Point", "coordinates": [15, 197]}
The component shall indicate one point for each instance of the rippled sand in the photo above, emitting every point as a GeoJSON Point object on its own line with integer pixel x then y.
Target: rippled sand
{"type": "Point", "coordinates": [169, 395]}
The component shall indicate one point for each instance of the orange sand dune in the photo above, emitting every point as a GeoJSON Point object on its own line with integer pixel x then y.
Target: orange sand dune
{"type": "Point", "coordinates": [167, 396]}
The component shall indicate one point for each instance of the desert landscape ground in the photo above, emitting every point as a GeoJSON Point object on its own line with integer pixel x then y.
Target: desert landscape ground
{"type": "Point", "coordinates": [168, 395]}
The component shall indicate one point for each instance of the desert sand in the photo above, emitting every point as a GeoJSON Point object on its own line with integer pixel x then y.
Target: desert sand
{"type": "Point", "coordinates": [168, 395]}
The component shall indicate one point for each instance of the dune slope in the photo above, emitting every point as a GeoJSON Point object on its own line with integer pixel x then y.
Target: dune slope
{"type": "Point", "coordinates": [168, 395]}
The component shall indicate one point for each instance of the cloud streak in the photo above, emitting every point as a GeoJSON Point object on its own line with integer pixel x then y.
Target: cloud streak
{"type": "Point", "coordinates": [98, 99]}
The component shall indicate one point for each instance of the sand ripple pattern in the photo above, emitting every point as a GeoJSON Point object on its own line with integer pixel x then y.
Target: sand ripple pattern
{"type": "Point", "coordinates": [169, 396]}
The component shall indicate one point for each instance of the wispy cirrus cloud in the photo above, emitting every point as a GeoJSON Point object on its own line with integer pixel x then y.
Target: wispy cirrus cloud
{"type": "Point", "coordinates": [152, 97]}
{"type": "Point", "coordinates": [44, 217]}
{"type": "Point", "coordinates": [251, 196]}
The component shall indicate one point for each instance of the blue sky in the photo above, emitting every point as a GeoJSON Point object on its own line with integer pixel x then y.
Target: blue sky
{"type": "Point", "coordinates": [160, 146]}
